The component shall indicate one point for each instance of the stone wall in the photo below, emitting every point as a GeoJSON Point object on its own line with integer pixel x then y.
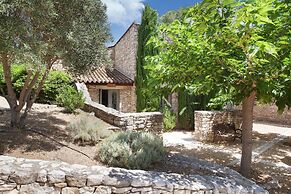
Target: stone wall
{"type": "Point", "coordinates": [94, 92]}
{"type": "Point", "coordinates": [270, 113]}
{"type": "Point", "coordinates": [206, 123]}
{"type": "Point", "coordinates": [125, 52]}
{"type": "Point", "coordinates": [24, 176]}
{"type": "Point", "coordinates": [128, 99]}
{"type": "Point", "coordinates": [147, 121]}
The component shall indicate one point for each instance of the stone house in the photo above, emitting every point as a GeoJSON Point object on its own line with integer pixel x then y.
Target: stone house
{"type": "Point", "coordinates": [115, 87]}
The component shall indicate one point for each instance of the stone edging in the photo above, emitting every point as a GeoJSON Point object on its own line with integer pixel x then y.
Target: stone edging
{"type": "Point", "coordinates": [23, 176]}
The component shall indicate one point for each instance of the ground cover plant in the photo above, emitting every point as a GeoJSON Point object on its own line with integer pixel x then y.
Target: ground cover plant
{"type": "Point", "coordinates": [88, 130]}
{"type": "Point", "coordinates": [131, 149]}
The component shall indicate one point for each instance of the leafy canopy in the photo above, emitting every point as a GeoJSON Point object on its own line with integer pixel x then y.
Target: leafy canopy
{"type": "Point", "coordinates": [233, 46]}
{"type": "Point", "coordinates": [36, 32]}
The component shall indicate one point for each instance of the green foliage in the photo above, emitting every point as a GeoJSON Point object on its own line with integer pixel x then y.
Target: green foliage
{"type": "Point", "coordinates": [239, 48]}
{"type": "Point", "coordinates": [173, 15]}
{"type": "Point", "coordinates": [55, 81]}
{"type": "Point", "coordinates": [131, 149]}
{"type": "Point", "coordinates": [40, 33]}
{"type": "Point", "coordinates": [234, 47]}
{"type": "Point", "coordinates": [169, 119]}
{"type": "Point", "coordinates": [62, 29]}
{"type": "Point", "coordinates": [70, 99]}
{"type": "Point", "coordinates": [147, 97]}
{"type": "Point", "coordinates": [88, 130]}
{"type": "Point", "coordinates": [18, 77]}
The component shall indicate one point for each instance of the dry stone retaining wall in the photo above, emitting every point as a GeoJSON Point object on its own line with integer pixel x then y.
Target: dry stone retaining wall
{"type": "Point", "coordinates": [148, 121]}
{"type": "Point", "coordinates": [205, 122]}
{"type": "Point", "coordinates": [24, 176]}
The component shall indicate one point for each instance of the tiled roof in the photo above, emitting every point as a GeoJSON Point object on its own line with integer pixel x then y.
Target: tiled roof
{"type": "Point", "coordinates": [104, 76]}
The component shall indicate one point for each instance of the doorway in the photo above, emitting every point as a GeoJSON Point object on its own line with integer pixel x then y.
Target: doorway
{"type": "Point", "coordinates": [110, 98]}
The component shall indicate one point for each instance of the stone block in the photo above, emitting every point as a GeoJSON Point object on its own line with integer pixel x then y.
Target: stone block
{"type": "Point", "coordinates": [23, 176]}
{"type": "Point", "coordinates": [102, 190]}
{"type": "Point", "coordinates": [121, 190]}
{"type": "Point", "coordinates": [7, 187]}
{"type": "Point", "coordinates": [94, 180]}
{"type": "Point", "coordinates": [70, 190]}
{"type": "Point", "coordinates": [56, 176]}
{"type": "Point", "coordinates": [76, 180]}
{"type": "Point", "coordinates": [36, 189]}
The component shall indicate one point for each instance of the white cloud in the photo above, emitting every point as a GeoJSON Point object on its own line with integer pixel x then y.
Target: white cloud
{"type": "Point", "coordinates": [123, 12]}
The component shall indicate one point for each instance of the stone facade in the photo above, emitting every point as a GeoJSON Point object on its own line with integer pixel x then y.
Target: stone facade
{"type": "Point", "coordinates": [125, 51]}
{"type": "Point", "coordinates": [128, 99]}
{"type": "Point", "coordinates": [123, 56]}
{"type": "Point", "coordinates": [94, 92]}
{"type": "Point", "coordinates": [24, 176]}
{"type": "Point", "coordinates": [207, 123]}
{"type": "Point", "coordinates": [270, 113]}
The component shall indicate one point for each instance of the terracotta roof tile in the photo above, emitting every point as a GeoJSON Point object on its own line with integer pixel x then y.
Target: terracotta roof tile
{"type": "Point", "coordinates": [104, 76]}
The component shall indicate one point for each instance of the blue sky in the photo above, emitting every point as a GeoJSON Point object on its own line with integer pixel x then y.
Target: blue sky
{"type": "Point", "coordinates": [121, 13]}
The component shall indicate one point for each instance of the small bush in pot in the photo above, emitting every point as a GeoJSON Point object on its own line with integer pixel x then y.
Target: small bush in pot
{"type": "Point", "coordinates": [132, 150]}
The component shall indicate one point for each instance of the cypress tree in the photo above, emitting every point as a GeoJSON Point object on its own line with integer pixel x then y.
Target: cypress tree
{"type": "Point", "coordinates": [147, 28]}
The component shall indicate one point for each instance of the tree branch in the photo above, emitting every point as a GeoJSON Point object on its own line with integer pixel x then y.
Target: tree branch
{"type": "Point", "coordinates": [12, 99]}
{"type": "Point", "coordinates": [24, 91]}
{"type": "Point", "coordinates": [30, 87]}
{"type": "Point", "coordinates": [29, 100]}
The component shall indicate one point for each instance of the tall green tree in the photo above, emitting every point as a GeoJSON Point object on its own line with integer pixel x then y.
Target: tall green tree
{"type": "Point", "coordinates": [40, 33]}
{"type": "Point", "coordinates": [239, 48]}
{"type": "Point", "coordinates": [173, 15]}
{"type": "Point", "coordinates": [146, 97]}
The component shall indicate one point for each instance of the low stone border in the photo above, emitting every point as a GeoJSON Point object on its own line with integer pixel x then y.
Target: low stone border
{"type": "Point", "coordinates": [25, 176]}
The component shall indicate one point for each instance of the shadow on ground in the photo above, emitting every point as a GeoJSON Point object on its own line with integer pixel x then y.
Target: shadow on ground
{"type": "Point", "coordinates": [29, 141]}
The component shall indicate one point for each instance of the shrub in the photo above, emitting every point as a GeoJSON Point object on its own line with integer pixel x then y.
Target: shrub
{"type": "Point", "coordinates": [18, 73]}
{"type": "Point", "coordinates": [88, 130]}
{"type": "Point", "coordinates": [169, 119]}
{"type": "Point", "coordinates": [131, 149]}
{"type": "Point", "coordinates": [70, 99]}
{"type": "Point", "coordinates": [55, 81]}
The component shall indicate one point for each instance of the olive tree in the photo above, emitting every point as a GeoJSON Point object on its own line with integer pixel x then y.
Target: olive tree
{"type": "Point", "coordinates": [241, 48]}
{"type": "Point", "coordinates": [41, 33]}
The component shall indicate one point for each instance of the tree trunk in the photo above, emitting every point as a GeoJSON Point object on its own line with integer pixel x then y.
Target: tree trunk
{"type": "Point", "coordinates": [15, 119]}
{"type": "Point", "coordinates": [247, 127]}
